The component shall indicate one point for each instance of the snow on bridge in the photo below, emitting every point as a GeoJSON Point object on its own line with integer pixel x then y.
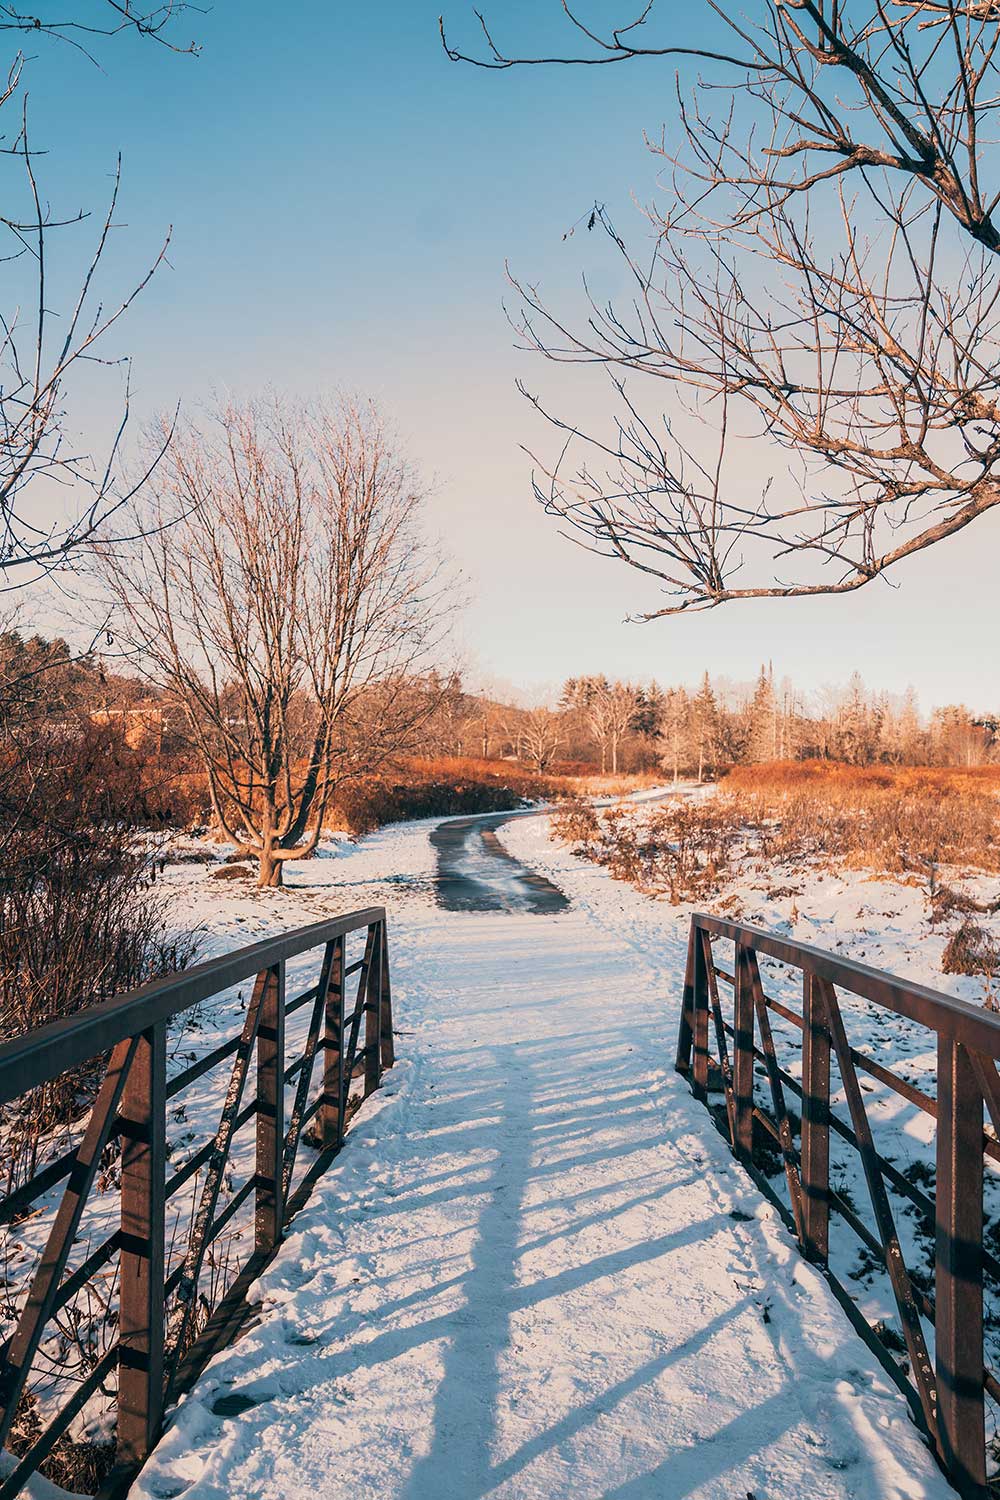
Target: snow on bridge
{"type": "Point", "coordinates": [535, 1271]}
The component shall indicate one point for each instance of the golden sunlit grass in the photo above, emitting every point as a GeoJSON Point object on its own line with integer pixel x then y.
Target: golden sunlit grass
{"type": "Point", "coordinates": [893, 820]}
{"type": "Point", "coordinates": [907, 823]}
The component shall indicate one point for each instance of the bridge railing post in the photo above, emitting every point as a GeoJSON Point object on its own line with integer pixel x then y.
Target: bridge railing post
{"type": "Point", "coordinates": [685, 1035]}
{"type": "Point", "coordinates": [373, 1009]}
{"type": "Point", "coordinates": [959, 1271]}
{"type": "Point", "coordinates": [331, 1122]}
{"type": "Point", "coordinates": [815, 1122]}
{"type": "Point", "coordinates": [743, 1039]}
{"type": "Point", "coordinates": [141, 1305]}
{"type": "Point", "coordinates": [699, 1019]}
{"type": "Point", "coordinates": [386, 1042]}
{"type": "Point", "coordinates": [269, 1210]}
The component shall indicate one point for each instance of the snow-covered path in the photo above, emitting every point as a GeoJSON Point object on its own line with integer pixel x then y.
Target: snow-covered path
{"type": "Point", "coordinates": [535, 1271]}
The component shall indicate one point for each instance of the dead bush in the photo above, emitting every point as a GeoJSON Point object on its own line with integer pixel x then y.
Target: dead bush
{"type": "Point", "coordinates": [946, 903]}
{"type": "Point", "coordinates": [575, 821]}
{"type": "Point", "coordinates": [80, 920]}
{"type": "Point", "coordinates": [78, 1466]}
{"type": "Point", "coordinates": [682, 850]}
{"type": "Point", "coordinates": [971, 950]}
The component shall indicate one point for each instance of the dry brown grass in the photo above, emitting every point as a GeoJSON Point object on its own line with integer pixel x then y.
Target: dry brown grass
{"type": "Point", "coordinates": [829, 776]}
{"type": "Point", "coordinates": [908, 823]}
{"type": "Point", "coordinates": [892, 821]}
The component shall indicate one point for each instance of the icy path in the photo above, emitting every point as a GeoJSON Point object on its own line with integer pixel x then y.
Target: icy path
{"type": "Point", "coordinates": [534, 1271]}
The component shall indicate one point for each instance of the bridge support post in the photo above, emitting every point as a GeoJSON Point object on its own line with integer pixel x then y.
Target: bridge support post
{"type": "Point", "coordinates": [269, 1210]}
{"type": "Point", "coordinates": [959, 1271]}
{"type": "Point", "coordinates": [815, 1122]}
{"type": "Point", "coordinates": [142, 1270]}
{"type": "Point", "coordinates": [743, 1031]}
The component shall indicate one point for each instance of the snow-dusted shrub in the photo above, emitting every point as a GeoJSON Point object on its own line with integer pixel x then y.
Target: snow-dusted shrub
{"type": "Point", "coordinates": [81, 919]}
{"type": "Point", "coordinates": [971, 950]}
{"type": "Point", "coordinates": [576, 822]}
{"type": "Point", "coordinates": [683, 850]}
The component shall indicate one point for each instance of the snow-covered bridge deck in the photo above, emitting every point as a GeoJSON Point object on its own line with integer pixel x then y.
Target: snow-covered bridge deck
{"type": "Point", "coordinates": [534, 1272]}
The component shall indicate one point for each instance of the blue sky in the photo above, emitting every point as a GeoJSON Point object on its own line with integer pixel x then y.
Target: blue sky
{"type": "Point", "coordinates": [343, 201]}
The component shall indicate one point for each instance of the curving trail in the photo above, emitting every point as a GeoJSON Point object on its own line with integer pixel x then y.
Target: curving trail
{"type": "Point", "coordinates": [476, 873]}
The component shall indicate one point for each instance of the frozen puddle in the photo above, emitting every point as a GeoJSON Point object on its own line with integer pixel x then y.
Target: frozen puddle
{"type": "Point", "coordinates": [535, 1272]}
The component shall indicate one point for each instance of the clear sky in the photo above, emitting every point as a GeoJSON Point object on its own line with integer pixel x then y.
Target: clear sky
{"type": "Point", "coordinates": [343, 201]}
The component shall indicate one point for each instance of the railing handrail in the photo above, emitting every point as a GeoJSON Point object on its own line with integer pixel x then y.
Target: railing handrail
{"type": "Point", "coordinates": [946, 1014]}
{"type": "Point", "coordinates": [59, 1046]}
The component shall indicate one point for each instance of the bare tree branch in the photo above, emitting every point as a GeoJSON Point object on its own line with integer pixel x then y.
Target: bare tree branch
{"type": "Point", "coordinates": [821, 290]}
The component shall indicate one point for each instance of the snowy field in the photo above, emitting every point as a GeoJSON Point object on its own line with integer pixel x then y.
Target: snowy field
{"type": "Point", "coordinates": [536, 1271]}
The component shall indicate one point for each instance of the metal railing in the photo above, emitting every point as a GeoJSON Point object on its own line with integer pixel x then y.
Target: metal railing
{"type": "Point", "coordinates": [947, 1394]}
{"type": "Point", "coordinates": [167, 1321]}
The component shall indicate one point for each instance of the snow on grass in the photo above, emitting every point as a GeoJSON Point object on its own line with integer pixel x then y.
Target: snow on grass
{"type": "Point", "coordinates": [535, 1270]}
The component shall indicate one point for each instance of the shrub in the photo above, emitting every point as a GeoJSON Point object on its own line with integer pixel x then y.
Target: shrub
{"type": "Point", "coordinates": [971, 950]}
{"type": "Point", "coordinates": [683, 850]}
{"type": "Point", "coordinates": [576, 822]}
{"type": "Point", "coordinates": [80, 920]}
{"type": "Point", "coordinates": [439, 787]}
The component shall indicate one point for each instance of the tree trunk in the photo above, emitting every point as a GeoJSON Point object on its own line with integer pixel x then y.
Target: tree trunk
{"type": "Point", "coordinates": [271, 869]}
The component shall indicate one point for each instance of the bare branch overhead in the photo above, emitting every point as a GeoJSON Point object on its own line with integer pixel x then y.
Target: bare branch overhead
{"type": "Point", "coordinates": [817, 300]}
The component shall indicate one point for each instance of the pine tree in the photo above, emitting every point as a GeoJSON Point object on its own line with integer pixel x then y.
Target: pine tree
{"type": "Point", "coordinates": [762, 736]}
{"type": "Point", "coordinates": [705, 714]}
{"type": "Point", "coordinates": [909, 730]}
{"type": "Point", "coordinates": [857, 730]}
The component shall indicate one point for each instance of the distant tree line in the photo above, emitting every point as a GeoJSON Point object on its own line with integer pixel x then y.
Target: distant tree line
{"type": "Point", "coordinates": [614, 726]}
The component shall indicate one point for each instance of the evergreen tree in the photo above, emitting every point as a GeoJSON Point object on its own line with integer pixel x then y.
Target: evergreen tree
{"type": "Point", "coordinates": [763, 715]}
{"type": "Point", "coordinates": [705, 722]}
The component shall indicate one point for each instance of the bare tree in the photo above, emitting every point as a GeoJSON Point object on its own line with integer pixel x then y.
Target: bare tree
{"type": "Point", "coordinates": [674, 725]}
{"type": "Point", "coordinates": [609, 709]}
{"type": "Point", "coordinates": [541, 734]}
{"type": "Point", "coordinates": [284, 597]}
{"type": "Point", "coordinates": [822, 284]}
